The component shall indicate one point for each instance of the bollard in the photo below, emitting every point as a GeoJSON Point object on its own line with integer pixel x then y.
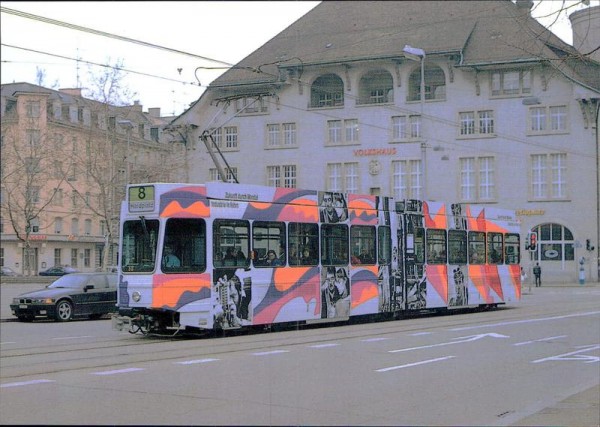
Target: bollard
{"type": "Point", "coordinates": [581, 276]}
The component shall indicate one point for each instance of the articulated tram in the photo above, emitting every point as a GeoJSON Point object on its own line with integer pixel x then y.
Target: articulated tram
{"type": "Point", "coordinates": [222, 256]}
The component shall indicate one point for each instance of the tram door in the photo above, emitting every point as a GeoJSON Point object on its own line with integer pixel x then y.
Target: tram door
{"type": "Point", "coordinates": [411, 256]}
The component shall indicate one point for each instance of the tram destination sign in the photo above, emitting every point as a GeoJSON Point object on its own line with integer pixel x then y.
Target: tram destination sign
{"type": "Point", "coordinates": [141, 198]}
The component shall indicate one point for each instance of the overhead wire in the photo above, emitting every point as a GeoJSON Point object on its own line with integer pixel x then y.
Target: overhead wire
{"type": "Point", "coordinates": [106, 34]}
{"type": "Point", "coordinates": [228, 66]}
{"type": "Point", "coordinates": [96, 64]}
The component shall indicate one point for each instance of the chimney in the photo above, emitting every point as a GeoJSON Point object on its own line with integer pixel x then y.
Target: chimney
{"type": "Point", "coordinates": [154, 112]}
{"type": "Point", "coordinates": [137, 107]}
{"type": "Point", "coordinates": [524, 7]}
{"type": "Point", "coordinates": [585, 24]}
{"type": "Point", "coordinates": [71, 91]}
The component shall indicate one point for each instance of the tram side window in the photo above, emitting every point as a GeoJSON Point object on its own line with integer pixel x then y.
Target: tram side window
{"type": "Point", "coordinates": [476, 247]}
{"type": "Point", "coordinates": [139, 245]}
{"type": "Point", "coordinates": [303, 248]}
{"type": "Point", "coordinates": [334, 244]}
{"type": "Point", "coordinates": [184, 249]}
{"type": "Point", "coordinates": [495, 248]}
{"type": "Point", "coordinates": [436, 246]}
{"type": "Point", "coordinates": [231, 243]}
{"type": "Point", "coordinates": [384, 245]}
{"type": "Point", "coordinates": [457, 247]}
{"type": "Point", "coordinates": [362, 244]}
{"type": "Point", "coordinates": [512, 249]}
{"type": "Point", "coordinates": [268, 243]}
{"type": "Point", "coordinates": [415, 245]}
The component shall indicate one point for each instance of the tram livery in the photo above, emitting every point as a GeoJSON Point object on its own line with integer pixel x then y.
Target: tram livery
{"type": "Point", "coordinates": [224, 256]}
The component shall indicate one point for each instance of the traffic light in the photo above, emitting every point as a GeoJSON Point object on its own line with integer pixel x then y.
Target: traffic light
{"type": "Point", "coordinates": [531, 241]}
{"type": "Point", "coordinates": [588, 245]}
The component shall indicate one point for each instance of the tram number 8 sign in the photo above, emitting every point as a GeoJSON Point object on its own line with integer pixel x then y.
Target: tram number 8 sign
{"type": "Point", "coordinates": [141, 198]}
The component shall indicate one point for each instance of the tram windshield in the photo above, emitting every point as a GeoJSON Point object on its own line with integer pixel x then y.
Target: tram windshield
{"type": "Point", "coordinates": [139, 245]}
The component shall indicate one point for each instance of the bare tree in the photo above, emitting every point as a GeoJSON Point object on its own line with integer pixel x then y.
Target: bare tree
{"type": "Point", "coordinates": [30, 181]}
{"type": "Point", "coordinates": [112, 155]}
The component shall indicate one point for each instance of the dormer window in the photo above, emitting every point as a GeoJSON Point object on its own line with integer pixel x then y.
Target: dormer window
{"type": "Point", "coordinates": [327, 91]}
{"type": "Point", "coordinates": [511, 82]}
{"type": "Point", "coordinates": [435, 84]}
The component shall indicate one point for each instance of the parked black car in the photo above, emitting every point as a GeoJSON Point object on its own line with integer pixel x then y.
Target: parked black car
{"type": "Point", "coordinates": [73, 295]}
{"type": "Point", "coordinates": [58, 271]}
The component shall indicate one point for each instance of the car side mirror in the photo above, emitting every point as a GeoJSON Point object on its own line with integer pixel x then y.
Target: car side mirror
{"type": "Point", "coordinates": [88, 287]}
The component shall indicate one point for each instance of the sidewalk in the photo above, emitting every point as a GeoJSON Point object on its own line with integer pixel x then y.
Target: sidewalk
{"type": "Point", "coordinates": [581, 409]}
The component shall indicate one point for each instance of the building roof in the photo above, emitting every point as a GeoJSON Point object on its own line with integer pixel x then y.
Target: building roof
{"type": "Point", "coordinates": [476, 33]}
{"type": "Point", "coordinates": [68, 96]}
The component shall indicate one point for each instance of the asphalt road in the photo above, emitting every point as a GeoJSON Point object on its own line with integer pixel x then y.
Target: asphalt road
{"type": "Point", "coordinates": [536, 363]}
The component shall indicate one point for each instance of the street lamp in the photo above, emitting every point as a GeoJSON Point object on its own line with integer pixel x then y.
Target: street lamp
{"type": "Point", "coordinates": [127, 125]}
{"type": "Point", "coordinates": [418, 55]}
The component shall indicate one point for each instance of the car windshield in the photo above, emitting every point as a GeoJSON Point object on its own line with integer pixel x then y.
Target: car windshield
{"type": "Point", "coordinates": [69, 281]}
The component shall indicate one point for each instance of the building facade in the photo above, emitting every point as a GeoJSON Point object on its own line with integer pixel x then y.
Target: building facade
{"type": "Point", "coordinates": [65, 161]}
{"type": "Point", "coordinates": [477, 103]}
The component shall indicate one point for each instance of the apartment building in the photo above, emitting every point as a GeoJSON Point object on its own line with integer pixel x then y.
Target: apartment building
{"type": "Point", "coordinates": [462, 102]}
{"type": "Point", "coordinates": [65, 161]}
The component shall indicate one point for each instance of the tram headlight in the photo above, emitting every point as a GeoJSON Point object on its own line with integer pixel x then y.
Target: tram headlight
{"type": "Point", "coordinates": [136, 296]}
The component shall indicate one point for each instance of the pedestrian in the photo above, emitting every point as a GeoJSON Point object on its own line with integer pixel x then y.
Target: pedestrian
{"type": "Point", "coordinates": [523, 275]}
{"type": "Point", "coordinates": [537, 272]}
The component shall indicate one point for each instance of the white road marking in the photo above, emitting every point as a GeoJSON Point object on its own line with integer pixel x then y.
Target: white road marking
{"type": "Point", "coordinates": [268, 353]}
{"type": "Point", "coordinates": [8, 342]}
{"type": "Point", "coordinates": [516, 322]}
{"type": "Point", "coordinates": [418, 334]}
{"type": "Point", "coordinates": [374, 339]}
{"type": "Point", "coordinates": [323, 345]}
{"type": "Point", "coordinates": [574, 355]}
{"type": "Point", "coordinates": [22, 383]}
{"type": "Point", "coordinates": [459, 340]}
{"type": "Point", "coordinates": [118, 371]}
{"type": "Point", "coordinates": [540, 340]}
{"type": "Point", "coordinates": [410, 365]}
{"type": "Point", "coordinates": [192, 362]}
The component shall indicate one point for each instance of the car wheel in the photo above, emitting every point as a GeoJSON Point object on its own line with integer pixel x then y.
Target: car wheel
{"type": "Point", "coordinates": [64, 311]}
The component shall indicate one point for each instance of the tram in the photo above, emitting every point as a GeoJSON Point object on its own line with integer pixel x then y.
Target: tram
{"type": "Point", "coordinates": [220, 256]}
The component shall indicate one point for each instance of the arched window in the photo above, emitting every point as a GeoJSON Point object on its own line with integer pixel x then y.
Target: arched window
{"type": "Point", "coordinates": [376, 87]}
{"type": "Point", "coordinates": [435, 83]}
{"type": "Point", "coordinates": [327, 91]}
{"type": "Point", "coordinates": [555, 243]}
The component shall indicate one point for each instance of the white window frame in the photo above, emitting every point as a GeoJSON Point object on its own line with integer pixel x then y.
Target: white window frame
{"type": "Point", "coordinates": [87, 227]}
{"type": "Point", "coordinates": [549, 176]}
{"type": "Point", "coordinates": [343, 177]}
{"type": "Point", "coordinates": [477, 181]}
{"type": "Point", "coordinates": [87, 257]}
{"type": "Point", "coordinates": [74, 227]}
{"type": "Point", "coordinates": [282, 176]}
{"type": "Point", "coordinates": [256, 105]}
{"type": "Point", "coordinates": [407, 179]}
{"type": "Point", "coordinates": [406, 128]}
{"type": "Point", "coordinates": [74, 256]}
{"type": "Point", "coordinates": [213, 174]}
{"type": "Point", "coordinates": [33, 109]}
{"type": "Point", "coordinates": [57, 256]}
{"type": "Point", "coordinates": [58, 225]}
{"type": "Point", "coordinates": [226, 138]}
{"type": "Point", "coordinates": [511, 83]}
{"type": "Point", "coordinates": [343, 132]}
{"type": "Point", "coordinates": [550, 119]}
{"type": "Point", "coordinates": [476, 124]}
{"type": "Point", "coordinates": [281, 135]}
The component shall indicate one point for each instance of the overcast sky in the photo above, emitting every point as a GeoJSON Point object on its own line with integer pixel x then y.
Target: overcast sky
{"type": "Point", "coordinates": [224, 32]}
